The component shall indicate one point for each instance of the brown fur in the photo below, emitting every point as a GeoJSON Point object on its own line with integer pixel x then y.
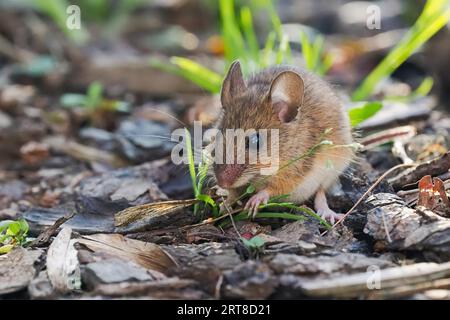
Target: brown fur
{"type": "Point", "coordinates": [320, 109]}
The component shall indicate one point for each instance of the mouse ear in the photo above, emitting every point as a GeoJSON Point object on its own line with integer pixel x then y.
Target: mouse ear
{"type": "Point", "coordinates": [286, 95]}
{"type": "Point", "coordinates": [233, 85]}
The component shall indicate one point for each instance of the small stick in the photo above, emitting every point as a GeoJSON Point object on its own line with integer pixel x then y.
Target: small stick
{"type": "Point", "coordinates": [373, 186]}
{"type": "Point", "coordinates": [218, 287]}
{"type": "Point", "coordinates": [45, 235]}
{"type": "Point", "coordinates": [231, 218]}
{"type": "Point", "coordinates": [212, 220]}
{"type": "Point", "coordinates": [388, 236]}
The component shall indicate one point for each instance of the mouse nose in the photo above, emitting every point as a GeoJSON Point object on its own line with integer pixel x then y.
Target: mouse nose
{"type": "Point", "coordinates": [227, 174]}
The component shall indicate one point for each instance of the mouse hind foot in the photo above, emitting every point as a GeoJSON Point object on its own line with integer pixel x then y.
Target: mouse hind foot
{"type": "Point", "coordinates": [322, 208]}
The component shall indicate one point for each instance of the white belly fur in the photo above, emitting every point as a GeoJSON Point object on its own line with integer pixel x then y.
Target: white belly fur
{"type": "Point", "coordinates": [318, 177]}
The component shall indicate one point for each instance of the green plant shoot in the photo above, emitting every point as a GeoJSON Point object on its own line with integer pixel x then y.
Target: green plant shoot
{"type": "Point", "coordinates": [12, 234]}
{"type": "Point", "coordinates": [434, 17]}
{"type": "Point", "coordinates": [198, 176]}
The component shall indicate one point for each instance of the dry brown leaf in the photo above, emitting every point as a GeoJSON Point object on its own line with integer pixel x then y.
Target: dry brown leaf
{"type": "Point", "coordinates": [439, 189]}
{"type": "Point", "coordinates": [145, 254]}
{"type": "Point", "coordinates": [63, 268]}
{"type": "Point", "coordinates": [431, 192]}
{"type": "Point", "coordinates": [132, 214]}
{"type": "Point", "coordinates": [426, 197]}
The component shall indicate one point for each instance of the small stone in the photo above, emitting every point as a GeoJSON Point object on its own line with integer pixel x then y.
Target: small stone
{"type": "Point", "coordinates": [113, 271]}
{"type": "Point", "coordinates": [5, 120]}
{"type": "Point", "coordinates": [142, 140]}
{"type": "Point", "coordinates": [249, 280]}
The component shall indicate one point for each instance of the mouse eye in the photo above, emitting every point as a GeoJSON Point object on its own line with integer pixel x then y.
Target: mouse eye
{"type": "Point", "coordinates": [254, 141]}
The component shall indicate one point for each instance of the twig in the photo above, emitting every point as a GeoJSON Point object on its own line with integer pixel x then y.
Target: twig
{"type": "Point", "coordinates": [45, 236]}
{"type": "Point", "coordinates": [388, 236]}
{"type": "Point", "coordinates": [373, 186]}
{"type": "Point", "coordinates": [210, 221]}
{"type": "Point", "coordinates": [218, 287]}
{"type": "Point", "coordinates": [231, 218]}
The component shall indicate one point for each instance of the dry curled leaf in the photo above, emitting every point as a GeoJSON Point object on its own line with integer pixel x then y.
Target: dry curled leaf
{"type": "Point", "coordinates": [432, 192]}
{"type": "Point", "coordinates": [145, 254]}
{"type": "Point", "coordinates": [132, 214]}
{"type": "Point", "coordinates": [63, 268]}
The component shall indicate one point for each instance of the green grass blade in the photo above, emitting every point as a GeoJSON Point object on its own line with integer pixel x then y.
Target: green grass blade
{"type": "Point", "coordinates": [433, 18]}
{"type": "Point", "coordinates": [292, 206]}
{"type": "Point", "coordinates": [284, 51]}
{"type": "Point", "coordinates": [279, 198]}
{"type": "Point", "coordinates": [317, 48]}
{"type": "Point", "coordinates": [424, 88]}
{"type": "Point", "coordinates": [360, 113]}
{"type": "Point", "coordinates": [268, 50]}
{"type": "Point", "coordinates": [249, 32]}
{"type": "Point", "coordinates": [202, 173]}
{"type": "Point", "coordinates": [233, 39]}
{"type": "Point", "coordinates": [280, 215]}
{"type": "Point", "coordinates": [192, 71]}
{"type": "Point", "coordinates": [421, 91]}
{"type": "Point", "coordinates": [190, 156]}
{"type": "Point", "coordinates": [56, 10]}
{"type": "Point", "coordinates": [431, 8]}
{"type": "Point", "coordinates": [94, 94]}
{"type": "Point", "coordinates": [206, 199]}
{"type": "Point", "coordinates": [326, 64]}
{"type": "Point", "coordinates": [196, 71]}
{"type": "Point", "coordinates": [307, 50]}
{"type": "Point", "coordinates": [276, 22]}
{"type": "Point", "coordinates": [274, 215]}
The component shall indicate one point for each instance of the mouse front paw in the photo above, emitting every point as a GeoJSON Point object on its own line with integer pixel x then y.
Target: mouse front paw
{"type": "Point", "coordinates": [262, 197]}
{"type": "Point", "coordinates": [329, 215]}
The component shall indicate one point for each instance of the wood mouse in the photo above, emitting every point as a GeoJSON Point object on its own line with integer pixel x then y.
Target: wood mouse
{"type": "Point", "coordinates": [302, 107]}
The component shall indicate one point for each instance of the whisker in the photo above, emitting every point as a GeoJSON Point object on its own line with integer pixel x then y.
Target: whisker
{"type": "Point", "coordinates": [203, 155]}
{"type": "Point", "coordinates": [169, 115]}
{"type": "Point", "coordinates": [146, 135]}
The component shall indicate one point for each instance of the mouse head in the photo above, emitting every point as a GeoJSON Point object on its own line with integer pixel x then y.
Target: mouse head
{"type": "Point", "coordinates": [269, 102]}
